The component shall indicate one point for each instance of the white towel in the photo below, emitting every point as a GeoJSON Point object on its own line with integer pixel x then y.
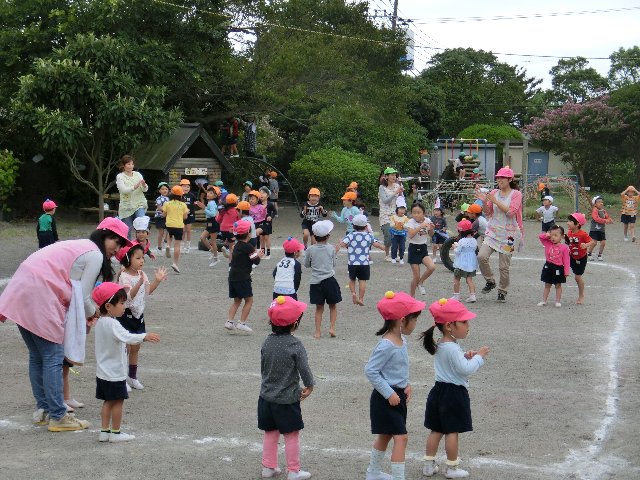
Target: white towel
{"type": "Point", "coordinates": [75, 326]}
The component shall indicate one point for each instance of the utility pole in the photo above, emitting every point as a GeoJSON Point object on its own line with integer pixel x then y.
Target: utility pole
{"type": "Point", "coordinates": [394, 19]}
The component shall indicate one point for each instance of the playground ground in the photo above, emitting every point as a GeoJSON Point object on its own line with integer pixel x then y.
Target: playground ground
{"type": "Point", "coordinates": [558, 397]}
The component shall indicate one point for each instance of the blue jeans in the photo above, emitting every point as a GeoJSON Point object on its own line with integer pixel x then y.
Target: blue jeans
{"type": "Point", "coordinates": [45, 373]}
{"type": "Point", "coordinates": [129, 220]}
{"type": "Point", "coordinates": [397, 245]}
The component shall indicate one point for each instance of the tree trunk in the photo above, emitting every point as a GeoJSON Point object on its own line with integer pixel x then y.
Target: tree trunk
{"type": "Point", "coordinates": [100, 171]}
{"type": "Point", "coordinates": [581, 177]}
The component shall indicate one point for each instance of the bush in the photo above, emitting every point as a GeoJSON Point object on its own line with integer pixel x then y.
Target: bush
{"type": "Point", "coordinates": [493, 133]}
{"type": "Point", "coordinates": [331, 170]}
{"type": "Point", "coordinates": [8, 176]}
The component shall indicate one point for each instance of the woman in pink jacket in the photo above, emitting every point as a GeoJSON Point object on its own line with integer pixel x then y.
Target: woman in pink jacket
{"type": "Point", "coordinates": [61, 277]}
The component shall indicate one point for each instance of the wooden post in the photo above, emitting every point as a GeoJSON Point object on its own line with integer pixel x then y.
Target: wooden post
{"type": "Point", "coordinates": [525, 172]}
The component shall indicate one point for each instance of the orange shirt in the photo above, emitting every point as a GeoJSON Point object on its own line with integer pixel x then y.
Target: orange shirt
{"type": "Point", "coordinates": [629, 205]}
{"type": "Point", "coordinates": [574, 240]}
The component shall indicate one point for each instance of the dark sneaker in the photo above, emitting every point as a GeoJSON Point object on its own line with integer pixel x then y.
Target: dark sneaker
{"type": "Point", "coordinates": [488, 287]}
{"type": "Point", "coordinates": [502, 297]}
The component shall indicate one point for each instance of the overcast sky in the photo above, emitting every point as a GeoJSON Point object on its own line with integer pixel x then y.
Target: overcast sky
{"type": "Point", "coordinates": [587, 35]}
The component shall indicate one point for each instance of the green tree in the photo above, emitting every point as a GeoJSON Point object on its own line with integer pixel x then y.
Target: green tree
{"type": "Point", "coordinates": [627, 99]}
{"type": "Point", "coordinates": [625, 67]}
{"type": "Point", "coordinates": [8, 176]}
{"type": "Point", "coordinates": [88, 102]}
{"type": "Point", "coordinates": [574, 80]}
{"type": "Point", "coordinates": [493, 133]}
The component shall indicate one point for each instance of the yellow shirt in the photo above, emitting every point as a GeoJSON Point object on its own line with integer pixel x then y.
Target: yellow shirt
{"type": "Point", "coordinates": [630, 205]}
{"type": "Point", "coordinates": [175, 210]}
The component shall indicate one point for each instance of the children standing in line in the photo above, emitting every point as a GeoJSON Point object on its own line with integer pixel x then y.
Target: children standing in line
{"type": "Point", "coordinates": [448, 410]}
{"type": "Point", "coordinates": [288, 272]}
{"type": "Point", "coordinates": [323, 286]}
{"type": "Point", "coordinates": [211, 229]}
{"type": "Point", "coordinates": [388, 372]}
{"type": "Point", "coordinates": [111, 358]}
{"type": "Point", "coordinates": [175, 212]}
{"type": "Point", "coordinates": [547, 212]}
{"type": "Point", "coordinates": [226, 218]}
{"type": "Point", "coordinates": [466, 262]}
{"type": "Point", "coordinates": [190, 201]}
{"type": "Point", "coordinates": [46, 229]}
{"type": "Point", "coordinates": [310, 214]}
{"type": "Point", "coordinates": [599, 220]}
{"type": "Point", "coordinates": [349, 210]}
{"type": "Point", "coordinates": [419, 229]}
{"type": "Point", "coordinates": [398, 234]}
{"type": "Point", "coordinates": [556, 267]}
{"type": "Point", "coordinates": [358, 244]}
{"type": "Point", "coordinates": [243, 257]}
{"type": "Point", "coordinates": [283, 363]}
{"type": "Point", "coordinates": [163, 190]}
{"type": "Point", "coordinates": [439, 232]}
{"type": "Point", "coordinates": [579, 241]}
{"type": "Point", "coordinates": [630, 198]}
{"type": "Point", "coordinates": [132, 259]}
{"type": "Point", "coordinates": [267, 225]}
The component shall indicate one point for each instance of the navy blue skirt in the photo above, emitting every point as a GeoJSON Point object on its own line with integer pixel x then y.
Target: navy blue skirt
{"type": "Point", "coordinates": [448, 409]}
{"type": "Point", "coordinates": [285, 418]}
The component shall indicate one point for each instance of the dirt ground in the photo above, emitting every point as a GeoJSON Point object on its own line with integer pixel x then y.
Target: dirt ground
{"type": "Point", "coordinates": [558, 397]}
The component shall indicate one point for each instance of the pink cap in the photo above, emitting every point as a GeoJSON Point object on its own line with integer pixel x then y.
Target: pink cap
{"type": "Point", "coordinates": [292, 245]}
{"type": "Point", "coordinates": [49, 205]}
{"type": "Point", "coordinates": [579, 217]}
{"type": "Point", "coordinates": [105, 291]}
{"type": "Point", "coordinates": [464, 225]}
{"type": "Point", "coordinates": [397, 305]}
{"type": "Point", "coordinates": [124, 250]}
{"type": "Point", "coordinates": [285, 311]}
{"type": "Point", "coordinates": [450, 310]}
{"type": "Point", "coordinates": [505, 172]}
{"type": "Point", "coordinates": [241, 227]}
{"type": "Point", "coordinates": [116, 226]}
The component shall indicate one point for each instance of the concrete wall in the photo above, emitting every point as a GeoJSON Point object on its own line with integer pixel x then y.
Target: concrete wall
{"type": "Point", "coordinates": [556, 165]}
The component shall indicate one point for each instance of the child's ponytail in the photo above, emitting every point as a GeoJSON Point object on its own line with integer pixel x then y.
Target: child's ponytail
{"type": "Point", "coordinates": [427, 339]}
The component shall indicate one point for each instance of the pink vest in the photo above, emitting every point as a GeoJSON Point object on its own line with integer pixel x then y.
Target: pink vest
{"type": "Point", "coordinates": [38, 295]}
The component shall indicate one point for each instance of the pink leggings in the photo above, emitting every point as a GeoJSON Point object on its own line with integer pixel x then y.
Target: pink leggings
{"type": "Point", "coordinates": [291, 449]}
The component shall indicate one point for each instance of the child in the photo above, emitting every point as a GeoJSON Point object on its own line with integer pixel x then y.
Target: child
{"type": "Point", "coordinates": [556, 268]}
{"type": "Point", "coordinates": [630, 198]}
{"type": "Point", "coordinates": [323, 286]}
{"type": "Point", "coordinates": [439, 231]}
{"type": "Point", "coordinates": [274, 190]}
{"type": "Point", "coordinates": [132, 259]}
{"type": "Point", "coordinates": [175, 212]}
{"type": "Point", "coordinates": [246, 186]}
{"type": "Point", "coordinates": [267, 225]}
{"type": "Point", "coordinates": [190, 201]}
{"type": "Point", "coordinates": [243, 211]}
{"type": "Point", "coordinates": [141, 227]}
{"type": "Point", "coordinates": [111, 358]}
{"type": "Point", "coordinates": [258, 213]}
{"type": "Point", "coordinates": [599, 219]}
{"type": "Point", "coordinates": [579, 241]}
{"type": "Point", "coordinates": [543, 190]}
{"type": "Point", "coordinates": [288, 272]}
{"type": "Point", "coordinates": [46, 229]}
{"type": "Point", "coordinates": [448, 411]}
{"type": "Point", "coordinates": [358, 244]}
{"type": "Point", "coordinates": [212, 227]}
{"type": "Point", "coordinates": [398, 234]}
{"type": "Point", "coordinates": [419, 229]}
{"type": "Point", "coordinates": [349, 210]}
{"type": "Point", "coordinates": [310, 214]}
{"type": "Point", "coordinates": [479, 223]}
{"type": "Point", "coordinates": [475, 176]}
{"type": "Point", "coordinates": [466, 262]}
{"type": "Point", "coordinates": [243, 257]}
{"type": "Point", "coordinates": [283, 362]}
{"type": "Point", "coordinates": [547, 213]}
{"type": "Point", "coordinates": [163, 190]}
{"type": "Point", "coordinates": [226, 218]}
{"type": "Point", "coordinates": [388, 372]}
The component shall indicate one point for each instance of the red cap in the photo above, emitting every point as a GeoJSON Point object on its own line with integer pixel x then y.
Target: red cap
{"type": "Point", "coordinates": [292, 245]}
{"type": "Point", "coordinates": [241, 227]}
{"type": "Point", "coordinates": [285, 311]}
{"type": "Point", "coordinates": [397, 305]}
{"type": "Point", "coordinates": [105, 291]}
{"type": "Point", "coordinates": [116, 226]}
{"type": "Point", "coordinates": [580, 218]}
{"type": "Point", "coordinates": [450, 310]}
{"type": "Point", "coordinates": [464, 225]}
{"type": "Point", "coordinates": [49, 205]}
{"type": "Point", "coordinates": [125, 250]}
{"type": "Point", "coordinates": [505, 172]}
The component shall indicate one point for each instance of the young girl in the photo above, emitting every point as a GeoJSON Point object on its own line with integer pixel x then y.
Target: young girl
{"type": "Point", "coordinates": [46, 229]}
{"type": "Point", "coordinates": [310, 214]}
{"type": "Point", "coordinates": [111, 360]}
{"type": "Point", "coordinates": [388, 372]}
{"type": "Point", "coordinates": [556, 268]}
{"type": "Point", "coordinates": [190, 201]}
{"type": "Point", "coordinates": [599, 220]}
{"type": "Point", "coordinates": [210, 233]}
{"type": "Point", "coordinates": [267, 225]}
{"type": "Point", "coordinates": [283, 362]}
{"type": "Point", "coordinates": [132, 259]}
{"type": "Point", "coordinates": [175, 212]}
{"type": "Point", "coordinates": [419, 229]}
{"type": "Point", "coordinates": [227, 216]}
{"type": "Point", "coordinates": [163, 190]}
{"type": "Point", "coordinates": [578, 241]}
{"type": "Point", "coordinates": [439, 232]}
{"type": "Point", "coordinates": [466, 262]}
{"type": "Point", "coordinates": [258, 213]}
{"type": "Point", "coordinates": [348, 211]}
{"type": "Point", "coordinates": [141, 228]}
{"type": "Point", "coordinates": [448, 411]}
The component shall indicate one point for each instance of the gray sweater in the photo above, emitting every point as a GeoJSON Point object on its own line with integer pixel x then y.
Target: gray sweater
{"type": "Point", "coordinates": [283, 361]}
{"type": "Point", "coordinates": [321, 257]}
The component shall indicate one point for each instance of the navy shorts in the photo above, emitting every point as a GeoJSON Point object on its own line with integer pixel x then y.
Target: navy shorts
{"type": "Point", "coordinates": [106, 390]}
{"type": "Point", "coordinates": [292, 295]}
{"type": "Point", "coordinates": [131, 323]}
{"type": "Point", "coordinates": [176, 233]}
{"type": "Point", "coordinates": [307, 225]}
{"type": "Point", "coordinates": [448, 409]}
{"type": "Point", "coordinates": [597, 235]}
{"type": "Point", "coordinates": [267, 227]}
{"type": "Point", "coordinates": [327, 291]}
{"type": "Point", "coordinates": [285, 418]}
{"type": "Point", "coordinates": [385, 419]}
{"type": "Point", "coordinates": [161, 223]}
{"type": "Point", "coordinates": [547, 225]}
{"type": "Point", "coordinates": [553, 274]}
{"type": "Point", "coordinates": [626, 219]}
{"type": "Point", "coordinates": [417, 252]}
{"type": "Point", "coordinates": [45, 239]}
{"type": "Point", "coordinates": [212, 226]}
{"type": "Point", "coordinates": [360, 272]}
{"type": "Point", "coordinates": [191, 218]}
{"type": "Point", "coordinates": [228, 236]}
{"type": "Point", "coordinates": [240, 289]}
{"type": "Point", "coordinates": [578, 265]}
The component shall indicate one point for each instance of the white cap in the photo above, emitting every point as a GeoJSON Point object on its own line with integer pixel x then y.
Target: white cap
{"type": "Point", "coordinates": [322, 228]}
{"type": "Point", "coordinates": [360, 220]}
{"type": "Point", "coordinates": [595, 199]}
{"type": "Point", "coordinates": [548, 197]}
{"type": "Point", "coordinates": [141, 223]}
{"type": "Point", "coordinates": [401, 201]}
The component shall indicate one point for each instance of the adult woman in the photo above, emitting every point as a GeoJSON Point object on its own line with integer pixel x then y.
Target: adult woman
{"type": "Point", "coordinates": [503, 208]}
{"type": "Point", "coordinates": [49, 298]}
{"type": "Point", "coordinates": [388, 193]}
{"type": "Point", "coordinates": [131, 186]}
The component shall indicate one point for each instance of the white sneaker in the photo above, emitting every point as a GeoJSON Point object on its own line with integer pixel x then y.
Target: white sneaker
{"type": "Point", "coordinates": [387, 258]}
{"type": "Point", "coordinates": [600, 259]}
{"type": "Point", "coordinates": [225, 252]}
{"type": "Point", "coordinates": [471, 299]}
{"type": "Point", "coordinates": [134, 383]}
{"type": "Point", "coordinates": [626, 239]}
{"type": "Point", "coordinates": [215, 262]}
{"type": "Point", "coordinates": [455, 472]}
{"type": "Point", "coordinates": [423, 291]}
{"type": "Point", "coordinates": [430, 468]}
{"type": "Point", "coordinates": [378, 476]}
{"type": "Point", "coordinates": [104, 436]}
{"type": "Point", "coordinates": [558, 304]}
{"type": "Point", "coordinates": [175, 268]}
{"type": "Point", "coordinates": [73, 403]}
{"type": "Point", "coordinates": [401, 262]}
{"type": "Point", "coordinates": [69, 409]}
{"type": "Point", "coordinates": [301, 475]}
{"type": "Point", "coordinates": [243, 327]}
{"type": "Point", "coordinates": [230, 325]}
{"type": "Point", "coordinates": [129, 389]}
{"type": "Point", "coordinates": [455, 296]}
{"type": "Point", "coordinates": [40, 417]}
{"type": "Point", "coordinates": [270, 472]}
{"type": "Point", "coordinates": [393, 260]}
{"type": "Point", "coordinates": [266, 257]}
{"type": "Point", "coordinates": [120, 437]}
{"type": "Point", "coordinates": [542, 304]}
